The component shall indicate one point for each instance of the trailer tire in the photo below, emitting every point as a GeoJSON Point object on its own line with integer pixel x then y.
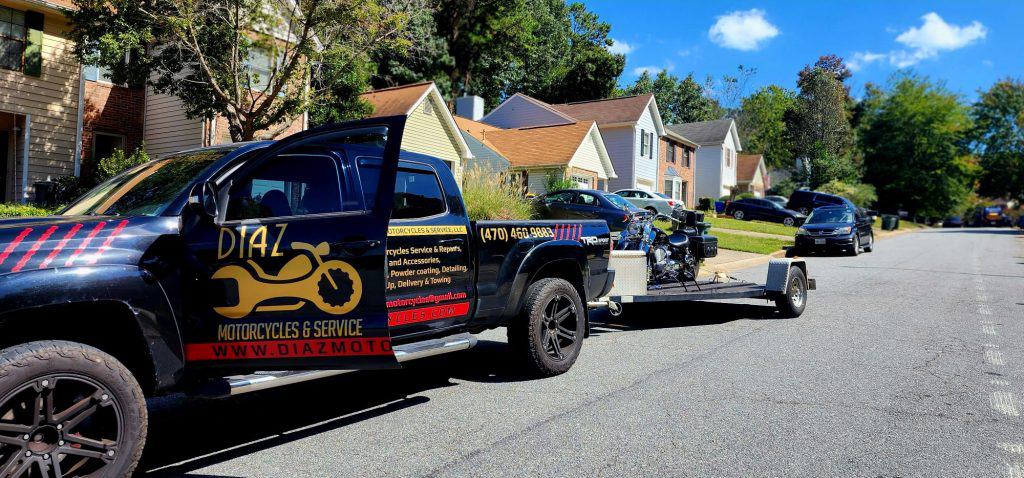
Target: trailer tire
{"type": "Point", "coordinates": [90, 407]}
{"type": "Point", "coordinates": [548, 334]}
{"type": "Point", "coordinates": [793, 300]}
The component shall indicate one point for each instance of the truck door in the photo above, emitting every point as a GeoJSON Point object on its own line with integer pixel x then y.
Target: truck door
{"type": "Point", "coordinates": [291, 273]}
{"type": "Point", "coordinates": [430, 279]}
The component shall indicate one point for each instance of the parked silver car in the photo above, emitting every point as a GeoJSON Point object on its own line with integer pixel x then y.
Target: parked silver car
{"type": "Point", "coordinates": [657, 203]}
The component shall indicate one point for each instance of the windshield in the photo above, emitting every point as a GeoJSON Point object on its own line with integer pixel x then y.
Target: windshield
{"type": "Point", "coordinates": [145, 190]}
{"type": "Point", "coordinates": [618, 201]}
{"type": "Point", "coordinates": [830, 216]}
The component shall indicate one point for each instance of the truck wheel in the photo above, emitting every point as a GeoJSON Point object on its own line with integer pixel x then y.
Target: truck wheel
{"type": "Point", "coordinates": [70, 410]}
{"type": "Point", "coordinates": [548, 334]}
{"type": "Point", "coordinates": [870, 246]}
{"type": "Point", "coordinates": [794, 298]}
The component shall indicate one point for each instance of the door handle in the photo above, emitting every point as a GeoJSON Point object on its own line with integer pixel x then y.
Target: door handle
{"type": "Point", "coordinates": [356, 248]}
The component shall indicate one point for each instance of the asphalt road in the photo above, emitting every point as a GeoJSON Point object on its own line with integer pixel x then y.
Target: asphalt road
{"type": "Point", "coordinates": [908, 362]}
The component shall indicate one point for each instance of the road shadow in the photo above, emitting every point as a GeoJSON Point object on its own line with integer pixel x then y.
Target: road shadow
{"type": "Point", "coordinates": [651, 316]}
{"type": "Point", "coordinates": [971, 230]}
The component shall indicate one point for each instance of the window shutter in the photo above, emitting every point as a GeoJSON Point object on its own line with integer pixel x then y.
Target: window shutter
{"type": "Point", "coordinates": [33, 44]}
{"type": "Point", "coordinates": [650, 152]}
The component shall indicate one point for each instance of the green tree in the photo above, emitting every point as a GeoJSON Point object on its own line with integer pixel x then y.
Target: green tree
{"type": "Point", "coordinates": [998, 139]}
{"type": "Point", "coordinates": [679, 101]}
{"type": "Point", "coordinates": [863, 195]}
{"type": "Point", "coordinates": [694, 105]}
{"type": "Point", "coordinates": [762, 125]}
{"type": "Point", "coordinates": [913, 139]}
{"type": "Point", "coordinates": [250, 61]}
{"type": "Point", "coordinates": [818, 130]}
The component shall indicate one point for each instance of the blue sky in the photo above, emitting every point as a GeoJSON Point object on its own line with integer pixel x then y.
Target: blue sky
{"type": "Point", "coordinates": [967, 44]}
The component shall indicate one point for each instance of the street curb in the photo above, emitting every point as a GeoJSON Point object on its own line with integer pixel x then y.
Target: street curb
{"type": "Point", "coordinates": [756, 261]}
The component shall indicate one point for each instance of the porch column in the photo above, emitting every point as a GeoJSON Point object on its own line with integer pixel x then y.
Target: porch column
{"type": "Point", "coordinates": [24, 158]}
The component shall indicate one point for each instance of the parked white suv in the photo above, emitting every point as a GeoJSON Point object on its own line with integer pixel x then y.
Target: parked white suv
{"type": "Point", "coordinates": [656, 203]}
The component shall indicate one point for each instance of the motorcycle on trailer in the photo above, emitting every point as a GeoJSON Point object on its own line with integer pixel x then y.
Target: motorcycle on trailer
{"type": "Point", "coordinates": [672, 257]}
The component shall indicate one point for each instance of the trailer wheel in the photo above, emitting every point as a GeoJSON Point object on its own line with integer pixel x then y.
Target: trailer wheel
{"type": "Point", "coordinates": [793, 300]}
{"type": "Point", "coordinates": [548, 333]}
{"type": "Point", "coordinates": [68, 410]}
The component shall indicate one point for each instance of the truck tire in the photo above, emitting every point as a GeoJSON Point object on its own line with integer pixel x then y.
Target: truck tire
{"type": "Point", "coordinates": [548, 334]}
{"type": "Point", "coordinates": [71, 407]}
{"type": "Point", "coordinates": [793, 300]}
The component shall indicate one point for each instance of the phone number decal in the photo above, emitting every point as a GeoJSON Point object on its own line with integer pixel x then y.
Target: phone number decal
{"type": "Point", "coordinates": [503, 234]}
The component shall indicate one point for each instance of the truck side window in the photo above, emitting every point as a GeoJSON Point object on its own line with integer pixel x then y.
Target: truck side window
{"type": "Point", "coordinates": [417, 194]}
{"type": "Point", "coordinates": [288, 185]}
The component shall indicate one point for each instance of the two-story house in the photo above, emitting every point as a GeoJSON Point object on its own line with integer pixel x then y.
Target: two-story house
{"type": "Point", "coordinates": [719, 143]}
{"type": "Point", "coordinates": [677, 168]}
{"type": "Point", "coordinates": [630, 128]}
{"type": "Point", "coordinates": [57, 115]}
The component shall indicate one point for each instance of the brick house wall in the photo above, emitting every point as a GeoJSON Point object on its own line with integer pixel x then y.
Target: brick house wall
{"type": "Point", "coordinates": [683, 163]}
{"type": "Point", "coordinates": [217, 131]}
{"type": "Point", "coordinates": [113, 110]}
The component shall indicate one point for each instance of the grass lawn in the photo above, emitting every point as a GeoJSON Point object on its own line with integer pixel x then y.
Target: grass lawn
{"type": "Point", "coordinates": [759, 245]}
{"type": "Point", "coordinates": [903, 224]}
{"type": "Point", "coordinates": [754, 226]}
{"type": "Point", "coordinates": [739, 242]}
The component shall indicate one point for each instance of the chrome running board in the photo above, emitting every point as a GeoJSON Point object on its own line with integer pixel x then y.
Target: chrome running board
{"type": "Point", "coordinates": [239, 384]}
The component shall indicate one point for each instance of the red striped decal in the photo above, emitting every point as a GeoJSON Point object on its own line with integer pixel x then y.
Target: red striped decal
{"type": "Point", "coordinates": [579, 232]}
{"type": "Point", "coordinates": [85, 243]}
{"type": "Point", "coordinates": [35, 247]}
{"type": "Point", "coordinates": [17, 240]}
{"type": "Point", "coordinates": [110, 239]}
{"type": "Point", "coordinates": [426, 314]}
{"type": "Point", "coordinates": [60, 245]}
{"type": "Point", "coordinates": [558, 230]}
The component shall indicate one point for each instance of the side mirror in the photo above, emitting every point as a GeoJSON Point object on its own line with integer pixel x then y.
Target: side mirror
{"type": "Point", "coordinates": [203, 199]}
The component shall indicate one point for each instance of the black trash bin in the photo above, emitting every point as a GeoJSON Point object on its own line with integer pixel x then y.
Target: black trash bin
{"type": "Point", "coordinates": [46, 193]}
{"type": "Point", "coordinates": [890, 222]}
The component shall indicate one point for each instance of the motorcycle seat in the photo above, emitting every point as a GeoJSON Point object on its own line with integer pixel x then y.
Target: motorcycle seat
{"type": "Point", "coordinates": [678, 239]}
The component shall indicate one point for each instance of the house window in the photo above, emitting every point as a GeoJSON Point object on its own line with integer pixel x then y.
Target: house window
{"type": "Point", "coordinates": [104, 145]}
{"type": "Point", "coordinates": [728, 158]}
{"type": "Point", "coordinates": [670, 155]}
{"type": "Point", "coordinates": [674, 188]}
{"type": "Point", "coordinates": [261, 65]}
{"type": "Point", "coordinates": [643, 143]}
{"type": "Point", "coordinates": [12, 38]}
{"type": "Point", "coordinates": [99, 73]}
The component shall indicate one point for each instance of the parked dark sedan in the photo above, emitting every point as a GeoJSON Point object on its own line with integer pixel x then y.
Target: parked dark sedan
{"type": "Point", "coordinates": [833, 229]}
{"type": "Point", "coordinates": [953, 221]}
{"type": "Point", "coordinates": [764, 210]}
{"type": "Point", "coordinates": [805, 201]}
{"type": "Point", "coordinates": [586, 204]}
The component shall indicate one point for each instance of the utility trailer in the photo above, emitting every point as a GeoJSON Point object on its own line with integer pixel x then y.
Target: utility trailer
{"type": "Point", "coordinates": [787, 285]}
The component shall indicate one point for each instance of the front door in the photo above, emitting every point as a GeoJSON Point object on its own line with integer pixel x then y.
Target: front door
{"type": "Point", "coordinates": [291, 274]}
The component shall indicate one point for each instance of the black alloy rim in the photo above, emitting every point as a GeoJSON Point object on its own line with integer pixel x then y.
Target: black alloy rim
{"type": "Point", "coordinates": [59, 425]}
{"type": "Point", "coordinates": [558, 329]}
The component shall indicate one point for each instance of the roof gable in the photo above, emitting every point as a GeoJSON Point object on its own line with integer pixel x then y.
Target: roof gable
{"type": "Point", "coordinates": [626, 109]}
{"type": "Point", "coordinates": [403, 100]}
{"type": "Point", "coordinates": [748, 165]}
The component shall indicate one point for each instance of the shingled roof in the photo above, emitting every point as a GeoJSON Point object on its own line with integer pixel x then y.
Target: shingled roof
{"type": "Point", "coordinates": [704, 132]}
{"type": "Point", "coordinates": [397, 100]}
{"type": "Point", "coordinates": [746, 166]}
{"type": "Point", "coordinates": [539, 146]}
{"type": "Point", "coordinates": [626, 109]}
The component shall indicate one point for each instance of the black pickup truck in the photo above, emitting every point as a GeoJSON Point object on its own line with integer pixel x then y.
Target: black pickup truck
{"type": "Point", "coordinates": [331, 250]}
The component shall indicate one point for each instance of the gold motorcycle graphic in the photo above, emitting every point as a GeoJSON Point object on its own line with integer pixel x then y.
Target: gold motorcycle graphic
{"type": "Point", "coordinates": [332, 286]}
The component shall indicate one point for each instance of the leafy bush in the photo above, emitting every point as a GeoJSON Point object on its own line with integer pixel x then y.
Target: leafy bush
{"type": "Point", "coordinates": [22, 210]}
{"type": "Point", "coordinates": [783, 187]}
{"type": "Point", "coordinates": [726, 198]}
{"type": "Point", "coordinates": [69, 188]}
{"type": "Point", "coordinates": [863, 195]}
{"type": "Point", "coordinates": [556, 181]}
{"type": "Point", "coordinates": [490, 197]}
{"type": "Point", "coordinates": [705, 203]}
{"type": "Point", "coordinates": [745, 195]}
{"type": "Point", "coordinates": [119, 162]}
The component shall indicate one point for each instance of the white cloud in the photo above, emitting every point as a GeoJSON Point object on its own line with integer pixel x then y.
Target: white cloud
{"type": "Point", "coordinates": [936, 35]}
{"type": "Point", "coordinates": [686, 51]}
{"type": "Point", "coordinates": [924, 42]}
{"type": "Point", "coordinates": [653, 69]}
{"type": "Point", "coordinates": [742, 30]}
{"type": "Point", "coordinates": [620, 47]}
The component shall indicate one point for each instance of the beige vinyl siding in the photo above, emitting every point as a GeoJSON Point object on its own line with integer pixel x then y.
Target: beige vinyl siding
{"type": "Point", "coordinates": [587, 158]}
{"type": "Point", "coordinates": [537, 180]}
{"type": "Point", "coordinates": [168, 130]}
{"type": "Point", "coordinates": [52, 102]}
{"type": "Point", "coordinates": [428, 133]}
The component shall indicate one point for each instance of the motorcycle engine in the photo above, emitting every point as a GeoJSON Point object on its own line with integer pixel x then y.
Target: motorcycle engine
{"type": "Point", "coordinates": [665, 269]}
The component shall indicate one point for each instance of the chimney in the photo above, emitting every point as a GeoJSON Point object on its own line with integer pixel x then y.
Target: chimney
{"type": "Point", "coordinates": [471, 107]}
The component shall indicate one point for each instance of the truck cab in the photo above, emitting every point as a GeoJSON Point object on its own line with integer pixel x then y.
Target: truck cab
{"type": "Point", "coordinates": [328, 251]}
